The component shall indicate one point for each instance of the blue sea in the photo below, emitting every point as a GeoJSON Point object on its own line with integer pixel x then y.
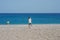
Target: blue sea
{"type": "Point", "coordinates": [37, 18]}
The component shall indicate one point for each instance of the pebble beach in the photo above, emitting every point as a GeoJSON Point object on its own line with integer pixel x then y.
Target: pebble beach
{"type": "Point", "coordinates": [36, 32]}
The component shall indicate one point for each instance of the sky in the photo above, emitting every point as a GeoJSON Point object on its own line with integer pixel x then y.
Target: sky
{"type": "Point", "coordinates": [29, 6]}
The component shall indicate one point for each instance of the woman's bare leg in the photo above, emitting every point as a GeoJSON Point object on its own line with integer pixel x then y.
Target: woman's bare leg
{"type": "Point", "coordinates": [29, 26]}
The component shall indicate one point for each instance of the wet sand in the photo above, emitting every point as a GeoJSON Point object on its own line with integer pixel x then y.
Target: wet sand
{"type": "Point", "coordinates": [36, 32]}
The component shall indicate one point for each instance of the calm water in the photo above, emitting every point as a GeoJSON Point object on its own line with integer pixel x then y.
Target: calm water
{"type": "Point", "coordinates": [37, 18]}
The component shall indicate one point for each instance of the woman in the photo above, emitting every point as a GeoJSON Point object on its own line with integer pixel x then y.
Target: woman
{"type": "Point", "coordinates": [29, 21]}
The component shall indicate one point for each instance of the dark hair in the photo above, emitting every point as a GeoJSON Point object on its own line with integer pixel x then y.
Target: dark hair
{"type": "Point", "coordinates": [28, 17]}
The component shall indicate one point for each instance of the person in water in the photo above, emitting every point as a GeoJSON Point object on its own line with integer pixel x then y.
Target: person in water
{"type": "Point", "coordinates": [29, 22]}
{"type": "Point", "coordinates": [8, 22]}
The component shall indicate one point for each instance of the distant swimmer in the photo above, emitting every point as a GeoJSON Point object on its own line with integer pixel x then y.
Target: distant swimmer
{"type": "Point", "coordinates": [8, 22]}
{"type": "Point", "coordinates": [29, 22]}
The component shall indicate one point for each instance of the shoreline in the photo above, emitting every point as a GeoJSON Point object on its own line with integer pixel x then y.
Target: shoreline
{"type": "Point", "coordinates": [33, 25]}
{"type": "Point", "coordinates": [27, 24]}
